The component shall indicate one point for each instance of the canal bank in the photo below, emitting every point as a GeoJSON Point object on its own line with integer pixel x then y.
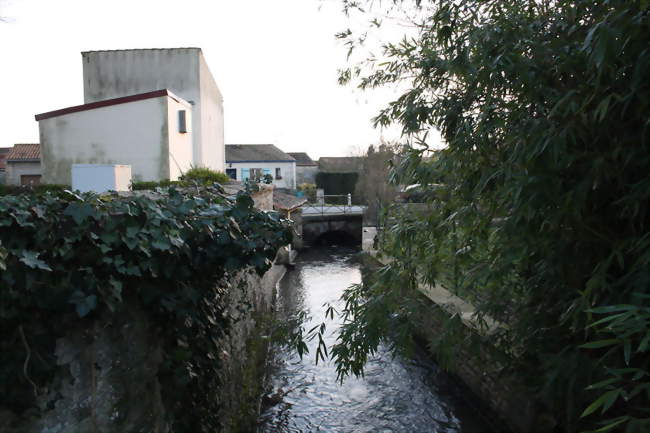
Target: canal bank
{"type": "Point", "coordinates": [396, 395]}
{"type": "Point", "coordinates": [473, 358]}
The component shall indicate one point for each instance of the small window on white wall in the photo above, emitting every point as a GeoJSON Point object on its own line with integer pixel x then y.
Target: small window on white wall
{"type": "Point", "coordinates": [182, 122]}
{"type": "Point", "coordinates": [278, 173]}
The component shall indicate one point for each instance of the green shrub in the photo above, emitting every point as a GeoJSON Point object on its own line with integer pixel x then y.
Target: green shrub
{"type": "Point", "coordinates": [310, 191]}
{"type": "Point", "coordinates": [145, 185]}
{"type": "Point", "coordinates": [32, 189]}
{"type": "Point", "coordinates": [204, 176]}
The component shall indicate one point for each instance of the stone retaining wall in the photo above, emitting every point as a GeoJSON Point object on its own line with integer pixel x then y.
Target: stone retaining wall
{"type": "Point", "coordinates": [108, 381]}
{"type": "Point", "coordinates": [478, 363]}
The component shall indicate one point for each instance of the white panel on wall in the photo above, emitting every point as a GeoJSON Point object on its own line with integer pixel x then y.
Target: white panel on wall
{"type": "Point", "coordinates": [101, 177]}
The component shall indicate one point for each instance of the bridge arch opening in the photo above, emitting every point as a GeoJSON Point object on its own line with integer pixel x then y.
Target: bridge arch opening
{"type": "Point", "coordinates": [336, 237]}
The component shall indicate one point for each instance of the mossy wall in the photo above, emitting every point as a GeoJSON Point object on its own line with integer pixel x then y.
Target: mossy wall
{"type": "Point", "coordinates": [110, 374]}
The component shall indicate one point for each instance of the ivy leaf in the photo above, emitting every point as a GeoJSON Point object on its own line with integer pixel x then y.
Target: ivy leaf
{"type": "Point", "coordinates": [161, 244]}
{"type": "Point", "coordinates": [30, 258]}
{"type": "Point", "coordinates": [83, 304]}
{"type": "Point", "coordinates": [79, 211]}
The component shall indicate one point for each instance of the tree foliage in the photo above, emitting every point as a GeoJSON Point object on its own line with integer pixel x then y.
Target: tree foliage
{"type": "Point", "coordinates": [66, 258]}
{"type": "Point", "coordinates": [373, 187]}
{"type": "Point", "coordinates": [540, 212]}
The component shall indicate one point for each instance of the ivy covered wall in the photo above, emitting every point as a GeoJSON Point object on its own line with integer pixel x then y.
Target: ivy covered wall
{"type": "Point", "coordinates": [118, 308]}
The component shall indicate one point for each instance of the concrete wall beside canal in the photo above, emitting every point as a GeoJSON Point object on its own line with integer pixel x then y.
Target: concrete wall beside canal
{"type": "Point", "coordinates": [108, 380]}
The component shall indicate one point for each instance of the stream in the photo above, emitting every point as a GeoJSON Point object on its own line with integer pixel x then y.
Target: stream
{"type": "Point", "coordinates": [395, 395]}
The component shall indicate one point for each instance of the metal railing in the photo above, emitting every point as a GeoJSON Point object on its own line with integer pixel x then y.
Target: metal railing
{"type": "Point", "coordinates": [332, 205]}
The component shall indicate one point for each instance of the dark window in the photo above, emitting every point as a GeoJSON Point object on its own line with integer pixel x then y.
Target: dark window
{"type": "Point", "coordinates": [30, 179]}
{"type": "Point", "coordinates": [232, 173]}
{"type": "Point", "coordinates": [278, 173]}
{"type": "Point", "coordinates": [256, 174]}
{"type": "Point", "coordinates": [182, 122]}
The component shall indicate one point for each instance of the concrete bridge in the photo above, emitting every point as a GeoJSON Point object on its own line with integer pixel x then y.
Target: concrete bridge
{"type": "Point", "coordinates": [332, 223]}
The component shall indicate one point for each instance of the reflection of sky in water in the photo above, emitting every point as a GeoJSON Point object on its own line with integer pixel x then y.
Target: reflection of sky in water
{"type": "Point", "coordinates": [394, 396]}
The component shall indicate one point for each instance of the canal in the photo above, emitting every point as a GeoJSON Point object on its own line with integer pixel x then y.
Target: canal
{"type": "Point", "coordinates": [396, 395]}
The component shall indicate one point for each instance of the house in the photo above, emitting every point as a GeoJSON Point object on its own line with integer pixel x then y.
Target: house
{"type": "Point", "coordinates": [158, 110]}
{"type": "Point", "coordinates": [306, 168]}
{"type": "Point", "coordinates": [150, 131]}
{"type": "Point", "coordinates": [23, 164]}
{"type": "Point", "coordinates": [3, 163]}
{"type": "Point", "coordinates": [253, 161]}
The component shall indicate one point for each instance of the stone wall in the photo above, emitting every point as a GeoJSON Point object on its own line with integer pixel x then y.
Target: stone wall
{"type": "Point", "coordinates": [314, 227]}
{"type": "Point", "coordinates": [108, 379]}
{"type": "Point", "coordinates": [476, 362]}
{"type": "Point", "coordinates": [480, 366]}
{"type": "Point", "coordinates": [264, 197]}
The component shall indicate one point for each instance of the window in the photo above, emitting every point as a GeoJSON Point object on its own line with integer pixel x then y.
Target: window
{"type": "Point", "coordinates": [182, 122]}
{"type": "Point", "coordinates": [278, 173]}
{"type": "Point", "coordinates": [232, 173]}
{"type": "Point", "coordinates": [256, 173]}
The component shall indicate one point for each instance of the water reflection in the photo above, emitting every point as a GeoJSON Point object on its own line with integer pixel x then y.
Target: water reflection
{"type": "Point", "coordinates": [394, 396]}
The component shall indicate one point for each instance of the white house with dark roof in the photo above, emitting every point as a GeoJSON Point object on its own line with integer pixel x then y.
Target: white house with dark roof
{"type": "Point", "coordinates": [157, 110]}
{"type": "Point", "coordinates": [253, 161]}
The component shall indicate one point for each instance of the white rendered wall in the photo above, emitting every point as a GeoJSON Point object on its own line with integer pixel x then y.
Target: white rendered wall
{"type": "Point", "coordinates": [17, 169]}
{"type": "Point", "coordinates": [113, 74]}
{"type": "Point", "coordinates": [213, 150]}
{"type": "Point", "coordinates": [180, 151]}
{"type": "Point", "coordinates": [306, 174]}
{"type": "Point", "coordinates": [134, 133]}
{"type": "Point", "coordinates": [288, 171]}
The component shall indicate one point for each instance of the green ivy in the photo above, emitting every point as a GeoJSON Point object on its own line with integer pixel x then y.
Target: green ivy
{"type": "Point", "coordinates": [67, 258]}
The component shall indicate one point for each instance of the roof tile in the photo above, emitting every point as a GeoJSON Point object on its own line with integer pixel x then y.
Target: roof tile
{"type": "Point", "coordinates": [24, 152]}
{"type": "Point", "coordinates": [255, 153]}
{"type": "Point", "coordinates": [302, 159]}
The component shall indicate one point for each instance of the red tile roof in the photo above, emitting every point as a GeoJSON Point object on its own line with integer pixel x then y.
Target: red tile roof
{"type": "Point", "coordinates": [108, 102]}
{"type": "Point", "coordinates": [25, 152]}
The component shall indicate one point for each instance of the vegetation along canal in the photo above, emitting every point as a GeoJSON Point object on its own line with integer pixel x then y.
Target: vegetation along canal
{"type": "Point", "coordinates": [396, 395]}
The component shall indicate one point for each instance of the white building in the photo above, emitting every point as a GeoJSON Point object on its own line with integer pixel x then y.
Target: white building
{"type": "Point", "coordinates": [131, 115]}
{"type": "Point", "coordinates": [183, 71]}
{"type": "Point", "coordinates": [146, 131]}
{"type": "Point", "coordinates": [253, 161]}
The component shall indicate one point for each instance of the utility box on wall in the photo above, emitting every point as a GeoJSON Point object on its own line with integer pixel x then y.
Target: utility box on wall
{"type": "Point", "coordinates": [101, 177]}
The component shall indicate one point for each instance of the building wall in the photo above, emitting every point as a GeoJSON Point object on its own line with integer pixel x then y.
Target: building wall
{"type": "Point", "coordinates": [113, 74]}
{"type": "Point", "coordinates": [306, 174]}
{"type": "Point", "coordinates": [17, 169]}
{"type": "Point", "coordinates": [211, 110]}
{"type": "Point", "coordinates": [288, 171]}
{"type": "Point", "coordinates": [135, 133]}
{"type": "Point", "coordinates": [180, 151]}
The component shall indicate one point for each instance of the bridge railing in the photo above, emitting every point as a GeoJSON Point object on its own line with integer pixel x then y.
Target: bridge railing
{"type": "Point", "coordinates": [332, 204]}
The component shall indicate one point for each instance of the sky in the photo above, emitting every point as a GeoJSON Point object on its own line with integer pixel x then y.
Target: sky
{"type": "Point", "coordinates": [275, 62]}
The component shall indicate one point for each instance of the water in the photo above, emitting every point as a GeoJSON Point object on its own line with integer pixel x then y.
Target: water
{"type": "Point", "coordinates": [396, 395]}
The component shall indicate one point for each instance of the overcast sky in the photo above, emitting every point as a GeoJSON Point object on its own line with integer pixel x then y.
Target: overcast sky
{"type": "Point", "coordinates": [275, 62]}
